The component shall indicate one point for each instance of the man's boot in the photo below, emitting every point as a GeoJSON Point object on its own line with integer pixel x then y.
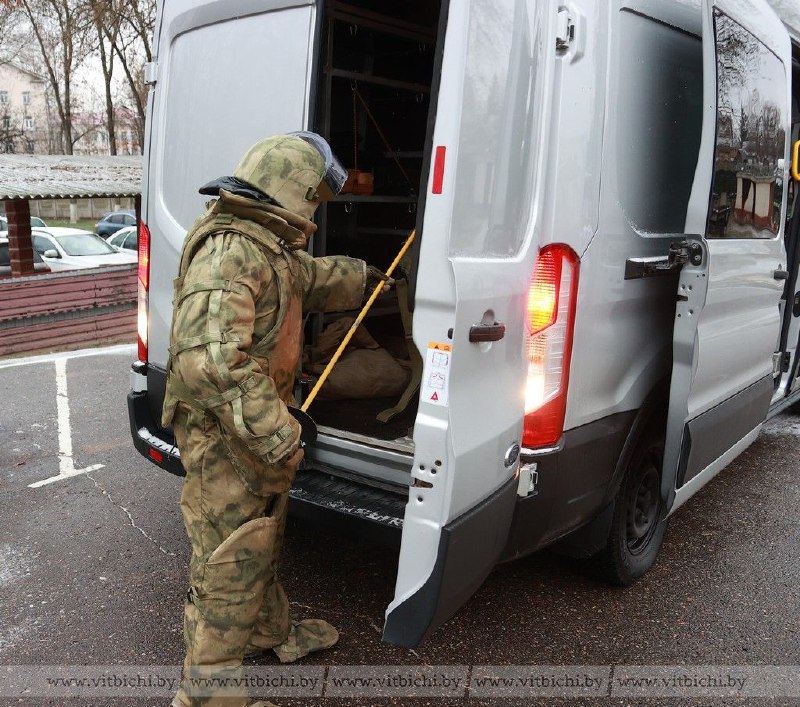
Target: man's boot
{"type": "Point", "coordinates": [307, 636]}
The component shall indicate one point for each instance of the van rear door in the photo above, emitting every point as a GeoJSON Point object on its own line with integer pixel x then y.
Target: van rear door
{"type": "Point", "coordinates": [480, 238]}
{"type": "Point", "coordinates": [727, 319]}
{"type": "Point", "coordinates": [228, 73]}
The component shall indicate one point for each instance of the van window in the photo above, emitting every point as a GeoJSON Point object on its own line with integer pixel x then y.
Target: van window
{"type": "Point", "coordinates": [747, 191]}
{"type": "Point", "coordinates": [659, 110]}
{"type": "Point", "coordinates": [229, 85]}
{"type": "Point", "coordinates": [499, 117]}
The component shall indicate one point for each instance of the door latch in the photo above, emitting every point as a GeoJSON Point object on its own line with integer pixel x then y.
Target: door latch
{"type": "Point", "coordinates": [528, 480]}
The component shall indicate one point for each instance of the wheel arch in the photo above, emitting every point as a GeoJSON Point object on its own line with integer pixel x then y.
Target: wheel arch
{"type": "Point", "coordinates": [652, 412]}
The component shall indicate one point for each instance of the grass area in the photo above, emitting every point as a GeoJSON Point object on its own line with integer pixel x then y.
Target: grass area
{"type": "Point", "coordinates": [85, 225]}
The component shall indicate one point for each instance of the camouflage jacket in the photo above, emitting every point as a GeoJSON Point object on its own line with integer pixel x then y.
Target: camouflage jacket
{"type": "Point", "coordinates": [244, 283]}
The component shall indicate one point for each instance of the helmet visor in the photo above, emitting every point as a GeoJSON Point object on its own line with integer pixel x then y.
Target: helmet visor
{"type": "Point", "coordinates": [335, 175]}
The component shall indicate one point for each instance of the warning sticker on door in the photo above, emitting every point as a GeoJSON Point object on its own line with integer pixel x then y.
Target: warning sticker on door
{"type": "Point", "coordinates": [436, 374]}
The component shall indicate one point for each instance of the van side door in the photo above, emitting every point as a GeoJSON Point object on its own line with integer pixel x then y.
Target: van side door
{"type": "Point", "coordinates": [727, 319]}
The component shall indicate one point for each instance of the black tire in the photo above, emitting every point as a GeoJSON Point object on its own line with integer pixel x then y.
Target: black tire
{"type": "Point", "coordinates": [637, 527]}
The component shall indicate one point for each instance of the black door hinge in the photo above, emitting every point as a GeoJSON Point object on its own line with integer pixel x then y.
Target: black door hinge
{"type": "Point", "coordinates": [685, 252]}
{"type": "Point", "coordinates": [679, 254]}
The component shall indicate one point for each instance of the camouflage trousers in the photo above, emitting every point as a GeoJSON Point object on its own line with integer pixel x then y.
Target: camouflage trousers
{"type": "Point", "coordinates": [235, 599]}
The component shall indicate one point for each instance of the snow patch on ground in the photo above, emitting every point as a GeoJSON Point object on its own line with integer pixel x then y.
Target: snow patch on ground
{"type": "Point", "coordinates": [783, 425]}
{"type": "Point", "coordinates": [15, 564]}
{"type": "Point", "coordinates": [10, 636]}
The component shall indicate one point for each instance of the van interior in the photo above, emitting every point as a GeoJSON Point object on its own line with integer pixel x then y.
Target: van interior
{"type": "Point", "coordinates": [373, 103]}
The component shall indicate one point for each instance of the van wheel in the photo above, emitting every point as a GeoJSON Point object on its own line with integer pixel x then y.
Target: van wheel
{"type": "Point", "coordinates": [637, 529]}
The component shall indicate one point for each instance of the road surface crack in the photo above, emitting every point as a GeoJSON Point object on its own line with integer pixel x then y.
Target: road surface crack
{"type": "Point", "coordinates": [130, 517]}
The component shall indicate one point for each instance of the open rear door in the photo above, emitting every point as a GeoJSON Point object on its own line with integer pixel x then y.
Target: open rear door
{"type": "Point", "coordinates": [727, 319]}
{"type": "Point", "coordinates": [478, 245]}
{"type": "Point", "coordinates": [227, 73]}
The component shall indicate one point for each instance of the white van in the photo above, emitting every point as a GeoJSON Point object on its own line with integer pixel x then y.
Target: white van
{"type": "Point", "coordinates": [604, 285]}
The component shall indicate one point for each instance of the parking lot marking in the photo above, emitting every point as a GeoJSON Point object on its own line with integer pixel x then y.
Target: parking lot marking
{"type": "Point", "coordinates": [65, 355]}
{"type": "Point", "coordinates": [66, 464]}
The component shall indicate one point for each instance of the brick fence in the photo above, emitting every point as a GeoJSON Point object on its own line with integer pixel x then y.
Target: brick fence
{"type": "Point", "coordinates": [67, 309]}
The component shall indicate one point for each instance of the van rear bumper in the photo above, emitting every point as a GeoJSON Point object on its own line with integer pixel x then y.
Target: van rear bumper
{"type": "Point", "coordinates": [574, 485]}
{"type": "Point", "coordinates": [339, 505]}
{"type": "Point", "coordinates": [150, 440]}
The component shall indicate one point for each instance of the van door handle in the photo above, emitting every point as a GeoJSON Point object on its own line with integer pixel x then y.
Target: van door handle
{"type": "Point", "coordinates": [781, 274]}
{"type": "Point", "coordinates": [487, 332]}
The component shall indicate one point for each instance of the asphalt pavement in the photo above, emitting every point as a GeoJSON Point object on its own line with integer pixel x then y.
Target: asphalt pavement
{"type": "Point", "coordinates": [93, 566]}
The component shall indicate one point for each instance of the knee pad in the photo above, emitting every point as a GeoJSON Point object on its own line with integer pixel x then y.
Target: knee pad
{"type": "Point", "coordinates": [234, 576]}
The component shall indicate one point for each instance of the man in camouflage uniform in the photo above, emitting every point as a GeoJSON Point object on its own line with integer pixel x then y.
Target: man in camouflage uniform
{"type": "Point", "coordinates": [245, 280]}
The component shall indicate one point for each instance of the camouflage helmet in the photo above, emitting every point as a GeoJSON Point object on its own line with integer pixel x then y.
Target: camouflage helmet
{"type": "Point", "coordinates": [290, 169]}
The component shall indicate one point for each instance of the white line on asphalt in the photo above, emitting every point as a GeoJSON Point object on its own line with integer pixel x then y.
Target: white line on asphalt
{"type": "Point", "coordinates": [66, 355]}
{"type": "Point", "coordinates": [66, 464]}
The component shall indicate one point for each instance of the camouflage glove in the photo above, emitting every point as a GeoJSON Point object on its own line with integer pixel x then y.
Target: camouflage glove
{"type": "Point", "coordinates": [374, 276]}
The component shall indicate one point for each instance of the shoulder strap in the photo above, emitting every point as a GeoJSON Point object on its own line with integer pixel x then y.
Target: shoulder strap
{"type": "Point", "coordinates": [401, 288]}
{"type": "Point", "coordinates": [263, 346]}
{"type": "Point", "coordinates": [202, 229]}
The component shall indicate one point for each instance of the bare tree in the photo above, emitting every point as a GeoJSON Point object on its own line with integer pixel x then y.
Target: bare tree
{"type": "Point", "coordinates": [65, 32]}
{"type": "Point", "coordinates": [12, 36]}
{"type": "Point", "coordinates": [12, 130]}
{"type": "Point", "coordinates": [133, 47]}
{"type": "Point", "coordinates": [61, 29]}
{"type": "Point", "coordinates": [106, 22]}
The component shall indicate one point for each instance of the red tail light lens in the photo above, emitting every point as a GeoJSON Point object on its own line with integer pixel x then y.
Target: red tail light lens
{"type": "Point", "coordinates": [543, 292]}
{"type": "Point", "coordinates": [144, 285]}
{"type": "Point", "coordinates": [551, 316]}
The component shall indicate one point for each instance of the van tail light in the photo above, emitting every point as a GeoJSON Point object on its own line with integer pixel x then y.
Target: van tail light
{"type": "Point", "coordinates": [144, 286]}
{"type": "Point", "coordinates": [550, 320]}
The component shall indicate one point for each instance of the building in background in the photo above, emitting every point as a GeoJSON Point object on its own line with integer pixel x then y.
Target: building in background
{"type": "Point", "coordinates": [91, 131]}
{"type": "Point", "coordinates": [23, 111]}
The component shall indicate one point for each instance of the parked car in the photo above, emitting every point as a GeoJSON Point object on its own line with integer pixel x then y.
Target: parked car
{"type": "Point", "coordinates": [73, 248]}
{"type": "Point", "coordinates": [5, 259]}
{"type": "Point", "coordinates": [126, 240]}
{"type": "Point", "coordinates": [111, 223]}
{"type": "Point", "coordinates": [36, 222]}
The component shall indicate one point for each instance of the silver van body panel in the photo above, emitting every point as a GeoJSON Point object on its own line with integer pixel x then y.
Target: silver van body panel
{"type": "Point", "coordinates": [622, 337]}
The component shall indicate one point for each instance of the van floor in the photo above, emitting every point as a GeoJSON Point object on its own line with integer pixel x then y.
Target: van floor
{"type": "Point", "coordinates": [358, 416]}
